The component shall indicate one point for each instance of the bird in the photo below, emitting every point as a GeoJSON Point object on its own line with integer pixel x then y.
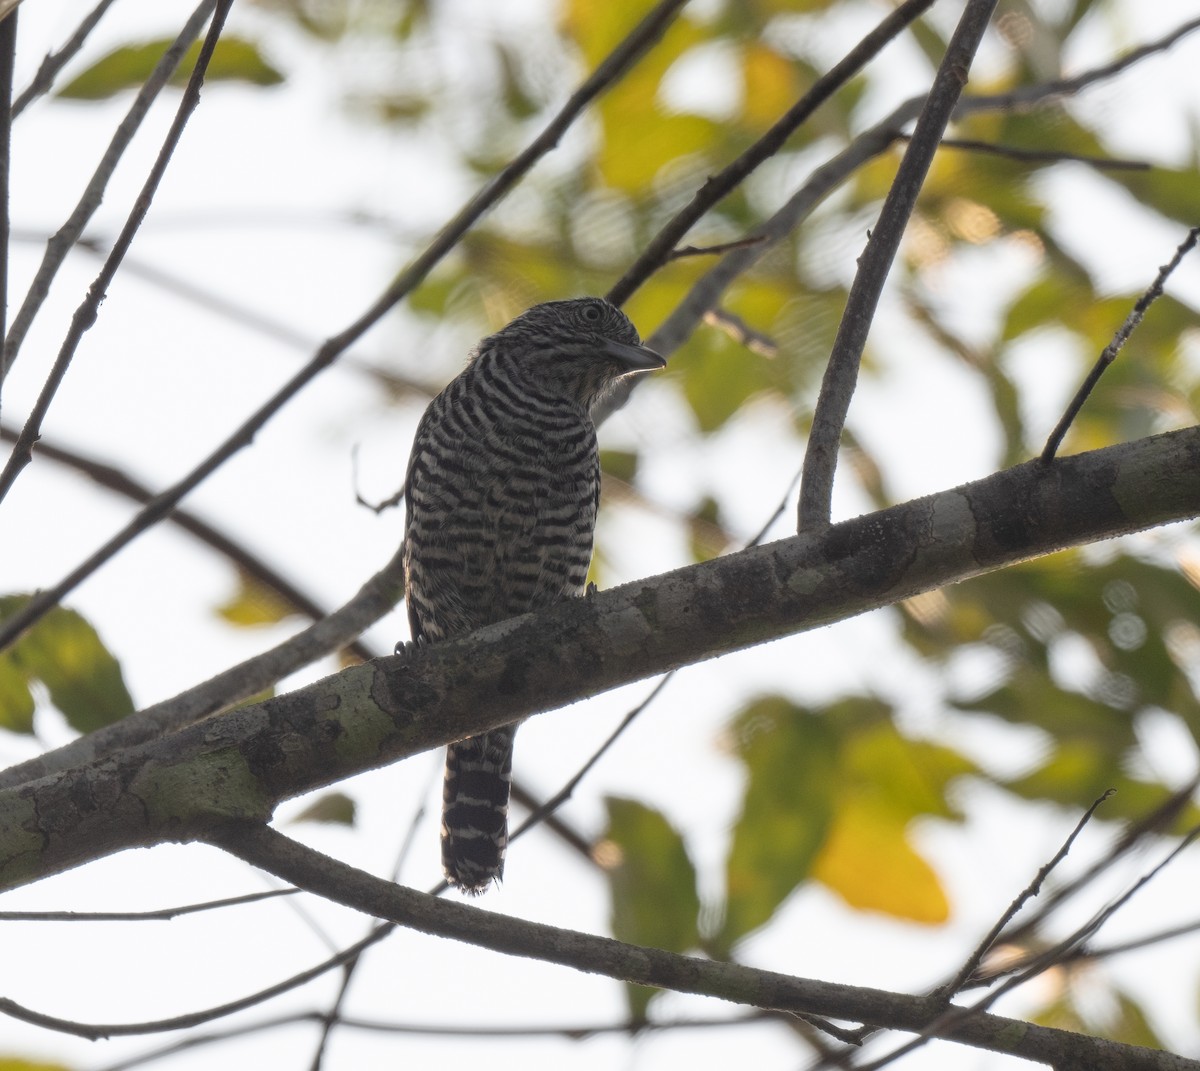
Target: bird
{"type": "Point", "coordinates": [501, 493]}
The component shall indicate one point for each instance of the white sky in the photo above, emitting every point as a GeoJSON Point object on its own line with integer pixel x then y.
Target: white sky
{"type": "Point", "coordinates": [157, 383]}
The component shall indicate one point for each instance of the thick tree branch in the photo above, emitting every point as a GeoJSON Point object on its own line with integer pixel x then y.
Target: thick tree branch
{"type": "Point", "coordinates": [240, 764]}
{"type": "Point", "coordinates": [309, 869]}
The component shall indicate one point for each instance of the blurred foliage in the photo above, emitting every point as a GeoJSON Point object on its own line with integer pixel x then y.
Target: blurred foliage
{"type": "Point", "coordinates": [335, 807]}
{"type": "Point", "coordinates": [647, 867]}
{"type": "Point", "coordinates": [253, 603]}
{"type": "Point", "coordinates": [15, 1063]}
{"type": "Point", "coordinates": [1079, 646]}
{"type": "Point", "coordinates": [127, 67]}
{"type": "Point", "coordinates": [63, 653]}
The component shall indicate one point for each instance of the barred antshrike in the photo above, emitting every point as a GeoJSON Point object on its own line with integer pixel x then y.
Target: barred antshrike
{"type": "Point", "coordinates": [502, 491]}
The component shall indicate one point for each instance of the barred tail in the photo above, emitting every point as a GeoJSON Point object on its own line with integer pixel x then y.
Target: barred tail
{"type": "Point", "coordinates": [475, 809]}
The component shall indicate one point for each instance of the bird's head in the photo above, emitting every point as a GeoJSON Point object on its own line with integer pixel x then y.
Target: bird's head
{"type": "Point", "coordinates": [575, 349]}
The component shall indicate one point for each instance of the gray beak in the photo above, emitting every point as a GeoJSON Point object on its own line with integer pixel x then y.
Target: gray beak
{"type": "Point", "coordinates": [632, 358]}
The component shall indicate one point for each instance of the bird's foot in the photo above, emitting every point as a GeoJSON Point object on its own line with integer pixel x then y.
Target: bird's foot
{"type": "Point", "coordinates": [406, 648]}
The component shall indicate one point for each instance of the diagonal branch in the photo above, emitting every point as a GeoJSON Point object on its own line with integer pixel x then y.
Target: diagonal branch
{"type": "Point", "coordinates": [716, 188]}
{"type": "Point", "coordinates": [240, 764]}
{"type": "Point", "coordinates": [89, 309]}
{"type": "Point", "coordinates": [117, 480]}
{"type": "Point", "coordinates": [707, 290]}
{"type": "Point", "coordinates": [309, 869]}
{"type": "Point", "coordinates": [60, 244]}
{"type": "Point", "coordinates": [55, 61]}
{"type": "Point", "coordinates": [841, 374]}
{"type": "Point", "coordinates": [632, 48]}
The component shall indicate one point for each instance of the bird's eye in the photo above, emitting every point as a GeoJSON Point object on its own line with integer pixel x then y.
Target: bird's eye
{"type": "Point", "coordinates": [592, 313]}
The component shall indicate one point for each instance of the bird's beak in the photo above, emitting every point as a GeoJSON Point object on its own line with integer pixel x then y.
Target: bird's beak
{"type": "Point", "coordinates": [633, 358]}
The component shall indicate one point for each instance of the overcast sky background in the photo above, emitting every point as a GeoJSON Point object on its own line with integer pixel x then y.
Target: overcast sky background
{"type": "Point", "coordinates": [254, 207]}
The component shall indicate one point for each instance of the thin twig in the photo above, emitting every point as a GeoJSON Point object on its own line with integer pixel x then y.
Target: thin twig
{"type": "Point", "coordinates": [1152, 294]}
{"type": "Point", "coordinates": [713, 250]}
{"type": "Point", "coordinates": [706, 292]}
{"type": "Point", "coordinates": [88, 311]}
{"type": "Point", "coordinates": [1045, 156]}
{"type": "Point", "coordinates": [1134, 834]}
{"type": "Point", "coordinates": [267, 848]}
{"type": "Point", "coordinates": [114, 479]}
{"type": "Point", "coordinates": [718, 186]}
{"type": "Point", "coordinates": [951, 988]}
{"type": "Point", "coordinates": [94, 1031]}
{"type": "Point", "coordinates": [576, 1032]}
{"type": "Point", "coordinates": [162, 914]}
{"type": "Point", "coordinates": [951, 1019]}
{"type": "Point", "coordinates": [55, 61]}
{"type": "Point", "coordinates": [638, 41]}
{"type": "Point", "coordinates": [333, 1017]}
{"type": "Point", "coordinates": [565, 793]}
{"type": "Point", "coordinates": [841, 373]}
{"type": "Point", "coordinates": [60, 244]}
{"type": "Point", "coordinates": [391, 502]}
{"type": "Point", "coordinates": [741, 332]}
{"type": "Point", "coordinates": [8, 52]}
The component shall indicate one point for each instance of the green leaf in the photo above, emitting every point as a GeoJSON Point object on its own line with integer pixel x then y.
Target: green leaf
{"type": "Point", "coordinates": [620, 464]}
{"type": "Point", "coordinates": [63, 652]}
{"type": "Point", "coordinates": [791, 763]}
{"type": "Point", "coordinates": [334, 807]}
{"type": "Point", "coordinates": [1076, 774]}
{"type": "Point", "coordinates": [16, 700]}
{"type": "Point", "coordinates": [652, 883]}
{"type": "Point", "coordinates": [127, 67]}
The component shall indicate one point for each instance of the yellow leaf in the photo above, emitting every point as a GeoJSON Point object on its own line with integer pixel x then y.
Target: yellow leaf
{"type": "Point", "coordinates": [771, 85]}
{"type": "Point", "coordinates": [868, 861]}
{"type": "Point", "coordinates": [254, 604]}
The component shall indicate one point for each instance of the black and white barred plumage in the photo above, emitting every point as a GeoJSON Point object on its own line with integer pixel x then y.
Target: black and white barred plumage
{"type": "Point", "coordinates": [502, 492]}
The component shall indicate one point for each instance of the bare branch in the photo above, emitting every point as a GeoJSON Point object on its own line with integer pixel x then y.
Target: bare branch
{"type": "Point", "coordinates": [659, 251]}
{"type": "Point", "coordinates": [1156, 822]}
{"type": "Point", "coordinates": [60, 245]}
{"type": "Point", "coordinates": [707, 291]}
{"type": "Point", "coordinates": [238, 764]}
{"type": "Point", "coordinates": [87, 312]}
{"type": "Point", "coordinates": [114, 479]}
{"type": "Point", "coordinates": [93, 1031]}
{"type": "Point", "coordinates": [162, 914]}
{"type": "Point", "coordinates": [951, 988]}
{"type": "Point", "coordinates": [8, 52]}
{"type": "Point", "coordinates": [1051, 957]}
{"type": "Point", "coordinates": [1014, 152]}
{"type": "Point", "coordinates": [635, 44]}
{"type": "Point", "coordinates": [370, 603]}
{"type": "Point", "coordinates": [1152, 294]}
{"type": "Point", "coordinates": [55, 61]}
{"type": "Point", "coordinates": [576, 1032]}
{"type": "Point", "coordinates": [302, 866]}
{"type": "Point", "coordinates": [841, 374]}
